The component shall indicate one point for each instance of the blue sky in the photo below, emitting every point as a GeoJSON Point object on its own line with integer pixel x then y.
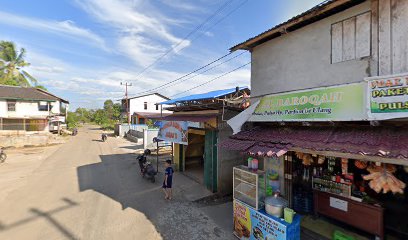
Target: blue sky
{"type": "Point", "coordinates": [82, 49]}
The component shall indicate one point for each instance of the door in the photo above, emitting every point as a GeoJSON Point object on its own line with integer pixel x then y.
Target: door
{"type": "Point", "coordinates": [210, 160]}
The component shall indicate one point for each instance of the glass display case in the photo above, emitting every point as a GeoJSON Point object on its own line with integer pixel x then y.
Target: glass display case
{"type": "Point", "coordinates": [249, 186]}
{"type": "Point", "coordinates": [324, 185]}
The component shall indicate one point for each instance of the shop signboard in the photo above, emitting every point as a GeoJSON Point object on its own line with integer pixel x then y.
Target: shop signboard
{"type": "Point", "coordinates": [336, 103]}
{"type": "Point", "coordinates": [250, 224]}
{"type": "Point", "coordinates": [388, 97]}
{"type": "Point", "coordinates": [174, 131]}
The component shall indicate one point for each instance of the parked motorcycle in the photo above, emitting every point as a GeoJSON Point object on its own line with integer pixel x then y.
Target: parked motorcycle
{"type": "Point", "coordinates": [74, 132]}
{"type": "Point", "coordinates": [3, 155]}
{"type": "Point", "coordinates": [104, 137]}
{"type": "Point", "coordinates": [146, 168]}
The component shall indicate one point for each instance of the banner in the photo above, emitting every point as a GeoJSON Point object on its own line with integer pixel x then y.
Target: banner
{"type": "Point", "coordinates": [250, 224]}
{"type": "Point", "coordinates": [174, 131]}
{"type": "Point", "coordinates": [337, 103]}
{"type": "Point", "coordinates": [388, 97]}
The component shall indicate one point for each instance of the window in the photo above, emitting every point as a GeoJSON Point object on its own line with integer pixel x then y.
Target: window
{"type": "Point", "coordinates": [157, 107]}
{"type": "Point", "coordinates": [11, 105]}
{"type": "Point", "coordinates": [351, 38]}
{"type": "Point", "coordinates": [145, 105]}
{"type": "Point", "coordinates": [43, 106]}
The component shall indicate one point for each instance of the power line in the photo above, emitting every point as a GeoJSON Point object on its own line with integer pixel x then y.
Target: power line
{"type": "Point", "coordinates": [212, 79]}
{"type": "Point", "coordinates": [209, 69]}
{"type": "Point", "coordinates": [180, 79]}
{"type": "Point", "coordinates": [186, 75]}
{"type": "Point", "coordinates": [186, 37]}
{"type": "Point", "coordinates": [219, 20]}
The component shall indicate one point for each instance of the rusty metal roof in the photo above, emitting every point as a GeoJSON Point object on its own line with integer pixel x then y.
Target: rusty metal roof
{"type": "Point", "coordinates": [27, 93]}
{"type": "Point", "coordinates": [390, 142]}
{"type": "Point", "coordinates": [318, 12]}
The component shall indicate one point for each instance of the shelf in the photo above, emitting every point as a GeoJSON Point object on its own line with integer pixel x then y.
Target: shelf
{"type": "Point", "coordinates": [245, 194]}
{"type": "Point", "coordinates": [243, 181]}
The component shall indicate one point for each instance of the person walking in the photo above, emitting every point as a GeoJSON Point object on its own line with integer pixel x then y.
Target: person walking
{"type": "Point", "coordinates": [168, 180]}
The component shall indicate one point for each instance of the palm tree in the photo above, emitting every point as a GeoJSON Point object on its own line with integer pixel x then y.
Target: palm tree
{"type": "Point", "coordinates": [12, 64]}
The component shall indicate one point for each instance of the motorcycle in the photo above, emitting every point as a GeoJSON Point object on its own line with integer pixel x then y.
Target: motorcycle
{"type": "Point", "coordinates": [104, 137]}
{"type": "Point", "coordinates": [74, 132]}
{"type": "Point", "coordinates": [146, 168]}
{"type": "Point", "coordinates": [3, 155]}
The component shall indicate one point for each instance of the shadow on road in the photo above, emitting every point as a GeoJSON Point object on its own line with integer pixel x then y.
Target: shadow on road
{"type": "Point", "coordinates": [134, 147]}
{"type": "Point", "coordinates": [48, 216]}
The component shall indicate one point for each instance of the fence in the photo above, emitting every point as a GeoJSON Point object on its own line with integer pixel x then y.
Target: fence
{"type": "Point", "coordinates": [121, 129]}
{"type": "Point", "coordinates": [23, 124]}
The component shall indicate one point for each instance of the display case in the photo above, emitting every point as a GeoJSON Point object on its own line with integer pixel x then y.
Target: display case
{"type": "Point", "coordinates": [249, 186]}
{"type": "Point", "coordinates": [341, 189]}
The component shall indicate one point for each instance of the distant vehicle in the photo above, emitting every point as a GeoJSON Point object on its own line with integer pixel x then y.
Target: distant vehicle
{"type": "Point", "coordinates": [74, 132]}
{"type": "Point", "coordinates": [54, 125]}
{"type": "Point", "coordinates": [3, 155]}
{"type": "Point", "coordinates": [104, 137]}
{"type": "Point", "coordinates": [146, 168]}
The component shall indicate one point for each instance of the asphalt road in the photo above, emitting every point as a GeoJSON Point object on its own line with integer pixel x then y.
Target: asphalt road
{"type": "Point", "coordinates": [88, 189]}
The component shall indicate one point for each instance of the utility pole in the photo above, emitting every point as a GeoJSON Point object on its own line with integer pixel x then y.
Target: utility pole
{"type": "Point", "coordinates": [127, 100]}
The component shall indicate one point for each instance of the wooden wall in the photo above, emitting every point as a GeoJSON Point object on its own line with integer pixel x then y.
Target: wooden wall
{"type": "Point", "coordinates": [391, 16]}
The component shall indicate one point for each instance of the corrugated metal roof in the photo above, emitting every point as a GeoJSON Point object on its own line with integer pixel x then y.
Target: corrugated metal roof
{"type": "Point", "coordinates": [324, 9]}
{"type": "Point", "coordinates": [387, 142]}
{"type": "Point", "coordinates": [29, 93]}
{"type": "Point", "coordinates": [190, 118]}
{"type": "Point", "coordinates": [203, 96]}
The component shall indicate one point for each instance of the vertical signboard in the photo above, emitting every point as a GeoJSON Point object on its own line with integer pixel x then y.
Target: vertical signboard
{"type": "Point", "coordinates": [174, 131]}
{"type": "Point", "coordinates": [387, 97]}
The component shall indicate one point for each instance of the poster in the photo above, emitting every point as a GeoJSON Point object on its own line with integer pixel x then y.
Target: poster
{"type": "Point", "coordinates": [337, 103]}
{"type": "Point", "coordinates": [250, 224]}
{"type": "Point", "coordinates": [387, 97]}
{"type": "Point", "coordinates": [174, 131]}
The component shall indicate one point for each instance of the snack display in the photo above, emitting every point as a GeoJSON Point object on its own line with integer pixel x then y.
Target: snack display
{"type": "Point", "coordinates": [240, 229]}
{"type": "Point", "coordinates": [382, 178]}
{"type": "Point", "coordinates": [360, 164]}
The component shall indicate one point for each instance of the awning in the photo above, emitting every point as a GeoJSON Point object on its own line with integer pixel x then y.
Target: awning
{"type": "Point", "coordinates": [388, 142]}
{"type": "Point", "coordinates": [190, 118]}
{"type": "Point", "coordinates": [152, 115]}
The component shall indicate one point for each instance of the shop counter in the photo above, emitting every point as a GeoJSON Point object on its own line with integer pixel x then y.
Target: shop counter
{"type": "Point", "coordinates": [364, 216]}
{"type": "Point", "coordinates": [250, 224]}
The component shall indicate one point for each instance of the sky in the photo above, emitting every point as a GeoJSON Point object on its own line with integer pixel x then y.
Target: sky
{"type": "Point", "coordinates": [82, 50]}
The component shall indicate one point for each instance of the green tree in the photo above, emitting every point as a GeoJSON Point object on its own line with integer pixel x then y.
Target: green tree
{"type": "Point", "coordinates": [12, 65]}
{"type": "Point", "coordinates": [41, 87]}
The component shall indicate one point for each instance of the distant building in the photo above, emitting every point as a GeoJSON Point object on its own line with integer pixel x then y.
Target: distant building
{"type": "Point", "coordinates": [30, 109]}
{"type": "Point", "coordinates": [145, 107]}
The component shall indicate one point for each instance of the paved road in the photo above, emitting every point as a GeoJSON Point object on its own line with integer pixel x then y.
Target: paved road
{"type": "Point", "coordinates": [91, 190]}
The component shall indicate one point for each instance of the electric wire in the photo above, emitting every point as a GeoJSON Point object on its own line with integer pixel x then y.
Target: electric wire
{"type": "Point", "coordinates": [200, 85]}
{"type": "Point", "coordinates": [185, 38]}
{"type": "Point", "coordinates": [186, 75]}
{"type": "Point", "coordinates": [183, 79]}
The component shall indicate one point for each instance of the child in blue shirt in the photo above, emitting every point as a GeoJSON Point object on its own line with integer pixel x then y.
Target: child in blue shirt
{"type": "Point", "coordinates": [168, 180]}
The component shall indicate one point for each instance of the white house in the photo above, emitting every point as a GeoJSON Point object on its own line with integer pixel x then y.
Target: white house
{"type": "Point", "coordinates": [29, 109]}
{"type": "Point", "coordinates": [145, 107]}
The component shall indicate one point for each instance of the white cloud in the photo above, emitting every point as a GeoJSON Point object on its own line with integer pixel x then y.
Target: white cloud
{"type": "Point", "coordinates": [140, 36]}
{"type": "Point", "coordinates": [66, 28]}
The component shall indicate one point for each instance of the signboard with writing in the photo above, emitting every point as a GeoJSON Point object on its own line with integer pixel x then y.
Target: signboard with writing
{"type": "Point", "coordinates": [338, 204]}
{"type": "Point", "coordinates": [388, 97]}
{"type": "Point", "coordinates": [250, 224]}
{"type": "Point", "coordinates": [174, 131]}
{"type": "Point", "coordinates": [337, 103]}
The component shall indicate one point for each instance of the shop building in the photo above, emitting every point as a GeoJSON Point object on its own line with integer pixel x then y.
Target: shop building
{"type": "Point", "coordinates": [331, 115]}
{"type": "Point", "coordinates": [197, 124]}
{"type": "Point", "coordinates": [144, 107]}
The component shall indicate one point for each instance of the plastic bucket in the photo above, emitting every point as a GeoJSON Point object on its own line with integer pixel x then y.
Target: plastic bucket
{"type": "Point", "coordinates": [288, 215]}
